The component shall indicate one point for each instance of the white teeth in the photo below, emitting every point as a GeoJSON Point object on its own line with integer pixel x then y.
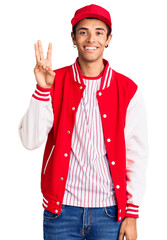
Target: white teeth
{"type": "Point", "coordinates": [90, 48]}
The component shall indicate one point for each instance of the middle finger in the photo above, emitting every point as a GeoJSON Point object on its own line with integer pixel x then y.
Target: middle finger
{"type": "Point", "coordinates": [40, 50]}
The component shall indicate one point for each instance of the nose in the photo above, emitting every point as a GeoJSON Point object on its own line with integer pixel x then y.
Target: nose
{"type": "Point", "coordinates": [90, 38]}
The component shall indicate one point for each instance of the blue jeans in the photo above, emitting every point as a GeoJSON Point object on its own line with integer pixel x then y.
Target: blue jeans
{"type": "Point", "coordinates": [79, 223]}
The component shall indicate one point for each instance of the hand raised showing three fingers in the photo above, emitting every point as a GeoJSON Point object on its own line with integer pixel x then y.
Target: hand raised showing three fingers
{"type": "Point", "coordinates": [43, 70]}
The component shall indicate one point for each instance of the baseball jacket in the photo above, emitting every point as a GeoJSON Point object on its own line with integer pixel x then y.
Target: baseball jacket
{"type": "Point", "coordinates": [52, 114]}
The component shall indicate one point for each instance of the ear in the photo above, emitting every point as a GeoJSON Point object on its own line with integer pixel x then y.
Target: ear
{"type": "Point", "coordinates": [108, 39]}
{"type": "Point", "coordinates": [73, 38]}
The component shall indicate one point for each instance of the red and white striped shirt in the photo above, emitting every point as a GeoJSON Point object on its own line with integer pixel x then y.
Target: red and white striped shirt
{"type": "Point", "coordinates": [89, 182]}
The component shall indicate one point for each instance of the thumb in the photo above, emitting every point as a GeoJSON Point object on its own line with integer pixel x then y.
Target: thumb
{"type": "Point", "coordinates": [50, 71]}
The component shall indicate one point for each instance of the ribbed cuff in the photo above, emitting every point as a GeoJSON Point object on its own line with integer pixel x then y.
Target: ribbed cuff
{"type": "Point", "coordinates": [132, 210]}
{"type": "Point", "coordinates": [42, 94]}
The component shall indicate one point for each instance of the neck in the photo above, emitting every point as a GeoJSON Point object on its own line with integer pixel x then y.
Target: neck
{"type": "Point", "coordinates": [91, 69]}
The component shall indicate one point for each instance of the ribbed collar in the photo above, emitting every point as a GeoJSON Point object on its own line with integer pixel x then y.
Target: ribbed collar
{"type": "Point", "coordinates": [106, 74]}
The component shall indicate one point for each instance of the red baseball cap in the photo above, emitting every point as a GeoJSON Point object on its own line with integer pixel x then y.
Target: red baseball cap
{"type": "Point", "coordinates": [94, 11]}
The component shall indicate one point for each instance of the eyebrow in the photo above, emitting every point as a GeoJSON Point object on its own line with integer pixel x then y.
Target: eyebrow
{"type": "Point", "coordinates": [83, 28]}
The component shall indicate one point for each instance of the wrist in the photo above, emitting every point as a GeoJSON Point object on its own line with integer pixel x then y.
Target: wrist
{"type": "Point", "coordinates": [44, 86]}
{"type": "Point", "coordinates": [41, 93]}
{"type": "Point", "coordinates": [131, 219]}
{"type": "Point", "coordinates": [132, 211]}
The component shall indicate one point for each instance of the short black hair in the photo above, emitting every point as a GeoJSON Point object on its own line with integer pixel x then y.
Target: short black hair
{"type": "Point", "coordinates": [75, 26]}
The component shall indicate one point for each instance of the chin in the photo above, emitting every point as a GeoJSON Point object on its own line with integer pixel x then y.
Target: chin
{"type": "Point", "coordinates": [91, 58]}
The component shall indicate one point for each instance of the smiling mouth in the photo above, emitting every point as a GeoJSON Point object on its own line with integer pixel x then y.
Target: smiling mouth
{"type": "Point", "coordinates": [90, 49]}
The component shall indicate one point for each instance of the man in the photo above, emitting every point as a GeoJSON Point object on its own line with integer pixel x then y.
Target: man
{"type": "Point", "coordinates": [93, 173]}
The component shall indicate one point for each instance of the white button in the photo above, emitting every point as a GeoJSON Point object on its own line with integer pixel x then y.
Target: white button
{"type": "Point", "coordinates": [58, 203]}
{"type": "Point", "coordinates": [68, 131]}
{"type": "Point", "coordinates": [56, 211]}
{"type": "Point", "coordinates": [120, 210]}
{"type": "Point", "coordinates": [65, 154]}
{"type": "Point", "coordinates": [100, 93]}
{"type": "Point", "coordinates": [73, 108]}
{"type": "Point", "coordinates": [104, 115]}
{"type": "Point", "coordinates": [119, 218]}
{"type": "Point", "coordinates": [108, 140]}
{"type": "Point", "coordinates": [117, 186]}
{"type": "Point", "coordinates": [81, 87]}
{"type": "Point", "coordinates": [113, 163]}
{"type": "Point", "coordinates": [62, 178]}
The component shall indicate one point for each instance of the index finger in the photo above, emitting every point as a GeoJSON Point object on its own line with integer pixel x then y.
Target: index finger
{"type": "Point", "coordinates": [49, 53]}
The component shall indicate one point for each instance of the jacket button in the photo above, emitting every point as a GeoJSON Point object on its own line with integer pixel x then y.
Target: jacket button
{"type": "Point", "coordinates": [108, 140]}
{"type": "Point", "coordinates": [56, 211]}
{"type": "Point", "coordinates": [73, 108]}
{"type": "Point", "coordinates": [58, 203]}
{"type": "Point", "coordinates": [81, 87]}
{"type": "Point", "coordinates": [62, 178]}
{"type": "Point", "coordinates": [104, 115]}
{"type": "Point", "coordinates": [117, 186]}
{"type": "Point", "coordinates": [113, 163]}
{"type": "Point", "coordinates": [119, 218]}
{"type": "Point", "coordinates": [65, 154]}
{"type": "Point", "coordinates": [68, 131]}
{"type": "Point", "coordinates": [100, 93]}
{"type": "Point", "coordinates": [120, 210]}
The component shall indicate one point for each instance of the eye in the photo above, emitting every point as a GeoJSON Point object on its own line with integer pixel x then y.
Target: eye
{"type": "Point", "coordinates": [99, 33]}
{"type": "Point", "coordinates": [83, 32]}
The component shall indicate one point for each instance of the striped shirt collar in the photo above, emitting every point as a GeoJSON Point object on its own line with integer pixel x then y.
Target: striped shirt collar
{"type": "Point", "coordinates": [106, 79]}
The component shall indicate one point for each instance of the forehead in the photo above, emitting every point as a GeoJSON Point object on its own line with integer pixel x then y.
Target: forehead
{"type": "Point", "coordinates": [91, 23]}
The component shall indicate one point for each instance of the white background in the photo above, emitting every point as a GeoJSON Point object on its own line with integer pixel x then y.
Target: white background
{"type": "Point", "coordinates": [137, 50]}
